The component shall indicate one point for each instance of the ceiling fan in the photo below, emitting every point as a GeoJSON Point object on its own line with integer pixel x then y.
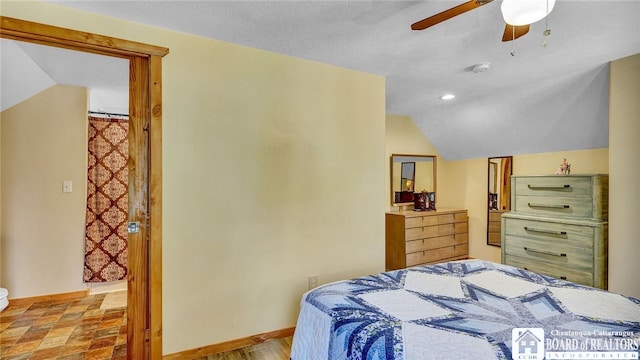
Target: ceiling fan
{"type": "Point", "coordinates": [511, 32]}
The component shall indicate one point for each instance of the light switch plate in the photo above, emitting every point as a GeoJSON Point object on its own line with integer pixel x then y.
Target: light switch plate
{"type": "Point", "coordinates": [67, 186]}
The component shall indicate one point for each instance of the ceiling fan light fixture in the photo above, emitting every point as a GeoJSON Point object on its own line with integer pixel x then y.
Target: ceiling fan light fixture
{"type": "Point", "coordinates": [524, 12]}
{"type": "Point", "coordinates": [447, 97]}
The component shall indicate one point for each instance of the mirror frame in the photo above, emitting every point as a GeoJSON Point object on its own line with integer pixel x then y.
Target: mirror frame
{"type": "Point", "coordinates": [505, 180]}
{"type": "Point", "coordinates": [434, 160]}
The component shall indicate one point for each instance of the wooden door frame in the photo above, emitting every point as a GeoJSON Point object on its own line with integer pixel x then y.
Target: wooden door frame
{"type": "Point", "coordinates": [144, 282]}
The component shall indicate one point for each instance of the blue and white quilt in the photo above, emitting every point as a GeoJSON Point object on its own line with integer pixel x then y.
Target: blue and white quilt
{"type": "Point", "coordinates": [464, 310]}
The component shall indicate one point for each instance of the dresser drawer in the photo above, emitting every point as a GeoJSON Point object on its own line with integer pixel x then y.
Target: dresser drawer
{"type": "Point", "coordinates": [495, 215]}
{"type": "Point", "coordinates": [438, 255]}
{"type": "Point", "coordinates": [454, 228]}
{"type": "Point", "coordinates": [550, 269]}
{"type": "Point", "coordinates": [419, 221]}
{"type": "Point", "coordinates": [421, 232]}
{"type": "Point", "coordinates": [460, 216]}
{"type": "Point", "coordinates": [446, 218]}
{"type": "Point", "coordinates": [495, 227]}
{"type": "Point", "coordinates": [574, 196]}
{"type": "Point", "coordinates": [551, 253]}
{"type": "Point", "coordinates": [565, 206]}
{"type": "Point", "coordinates": [553, 186]}
{"type": "Point", "coordinates": [436, 242]}
{"type": "Point", "coordinates": [559, 234]}
{"type": "Point", "coordinates": [495, 238]}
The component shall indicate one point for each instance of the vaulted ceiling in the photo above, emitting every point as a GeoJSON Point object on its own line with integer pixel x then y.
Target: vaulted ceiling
{"type": "Point", "coordinates": [26, 69]}
{"type": "Point", "coordinates": [550, 98]}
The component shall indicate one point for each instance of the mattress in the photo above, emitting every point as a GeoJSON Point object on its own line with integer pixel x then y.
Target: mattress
{"type": "Point", "coordinates": [464, 310]}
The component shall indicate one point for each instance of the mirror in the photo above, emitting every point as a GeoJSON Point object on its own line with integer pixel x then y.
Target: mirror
{"type": "Point", "coordinates": [499, 195]}
{"type": "Point", "coordinates": [408, 175]}
{"type": "Point", "coordinates": [411, 173]}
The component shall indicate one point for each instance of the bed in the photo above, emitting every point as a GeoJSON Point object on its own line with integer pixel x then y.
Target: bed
{"type": "Point", "coordinates": [468, 309]}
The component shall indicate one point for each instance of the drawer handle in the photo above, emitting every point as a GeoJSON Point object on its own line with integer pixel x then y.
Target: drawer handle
{"type": "Point", "coordinates": [545, 252]}
{"type": "Point", "coordinates": [553, 232]}
{"type": "Point", "coordinates": [561, 277]}
{"type": "Point", "coordinates": [552, 187]}
{"type": "Point", "coordinates": [550, 206]}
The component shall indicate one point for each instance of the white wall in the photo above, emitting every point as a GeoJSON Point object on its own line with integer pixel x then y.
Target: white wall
{"type": "Point", "coordinates": [624, 179]}
{"type": "Point", "coordinates": [44, 141]}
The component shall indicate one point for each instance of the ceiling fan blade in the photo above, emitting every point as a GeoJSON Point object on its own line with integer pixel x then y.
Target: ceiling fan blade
{"type": "Point", "coordinates": [448, 14]}
{"type": "Point", "coordinates": [510, 34]}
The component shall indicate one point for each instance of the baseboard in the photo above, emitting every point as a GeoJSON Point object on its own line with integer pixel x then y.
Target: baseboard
{"type": "Point", "coordinates": [107, 287]}
{"type": "Point", "coordinates": [230, 345]}
{"type": "Point", "coordinates": [52, 297]}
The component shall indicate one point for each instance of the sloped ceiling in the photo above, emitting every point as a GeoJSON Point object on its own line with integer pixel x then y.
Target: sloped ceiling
{"type": "Point", "coordinates": [27, 69]}
{"type": "Point", "coordinates": [20, 76]}
{"type": "Point", "coordinates": [542, 99]}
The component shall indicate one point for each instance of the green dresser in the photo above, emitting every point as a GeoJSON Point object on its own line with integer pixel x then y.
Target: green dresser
{"type": "Point", "coordinates": [558, 227]}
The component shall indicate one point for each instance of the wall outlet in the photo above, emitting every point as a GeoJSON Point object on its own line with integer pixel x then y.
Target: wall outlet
{"type": "Point", "coordinates": [313, 281]}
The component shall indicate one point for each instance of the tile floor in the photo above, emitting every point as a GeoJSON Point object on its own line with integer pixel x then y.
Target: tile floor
{"type": "Point", "coordinates": [85, 328]}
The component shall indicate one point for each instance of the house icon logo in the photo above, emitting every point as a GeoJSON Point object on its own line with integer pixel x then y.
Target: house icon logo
{"type": "Point", "coordinates": [527, 344]}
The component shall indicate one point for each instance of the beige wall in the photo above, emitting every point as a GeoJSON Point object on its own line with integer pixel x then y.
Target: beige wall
{"type": "Point", "coordinates": [44, 143]}
{"type": "Point", "coordinates": [404, 137]}
{"type": "Point", "coordinates": [268, 179]}
{"type": "Point", "coordinates": [624, 181]}
{"type": "Point", "coordinates": [273, 171]}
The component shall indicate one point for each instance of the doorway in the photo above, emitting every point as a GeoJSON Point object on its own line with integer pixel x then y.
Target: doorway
{"type": "Point", "coordinates": [144, 282]}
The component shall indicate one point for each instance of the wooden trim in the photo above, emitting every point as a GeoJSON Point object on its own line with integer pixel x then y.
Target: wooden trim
{"type": "Point", "coordinates": [137, 249]}
{"type": "Point", "coordinates": [145, 93]}
{"type": "Point", "coordinates": [155, 208]}
{"type": "Point", "coordinates": [52, 297]}
{"type": "Point", "coordinates": [22, 30]}
{"type": "Point", "coordinates": [230, 345]}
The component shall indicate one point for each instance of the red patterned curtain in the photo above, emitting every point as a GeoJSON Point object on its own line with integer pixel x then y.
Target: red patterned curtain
{"type": "Point", "coordinates": [107, 200]}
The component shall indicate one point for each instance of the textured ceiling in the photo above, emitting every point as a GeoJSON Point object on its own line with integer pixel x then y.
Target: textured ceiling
{"type": "Point", "coordinates": [542, 99]}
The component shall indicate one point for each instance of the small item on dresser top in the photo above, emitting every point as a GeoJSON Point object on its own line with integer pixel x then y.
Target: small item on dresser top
{"type": "Point", "coordinates": [403, 196]}
{"type": "Point", "coordinates": [420, 202]}
{"type": "Point", "coordinates": [564, 169]}
{"type": "Point", "coordinates": [431, 196]}
{"type": "Point", "coordinates": [493, 201]}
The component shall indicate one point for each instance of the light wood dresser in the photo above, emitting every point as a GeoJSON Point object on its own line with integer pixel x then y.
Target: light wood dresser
{"type": "Point", "coordinates": [426, 237]}
{"type": "Point", "coordinates": [558, 227]}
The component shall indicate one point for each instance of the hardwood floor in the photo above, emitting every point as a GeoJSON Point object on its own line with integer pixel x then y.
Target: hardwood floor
{"type": "Point", "coordinates": [278, 349]}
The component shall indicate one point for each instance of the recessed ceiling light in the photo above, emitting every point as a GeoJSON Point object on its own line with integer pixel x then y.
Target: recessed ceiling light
{"type": "Point", "coordinates": [447, 97]}
{"type": "Point", "coordinates": [481, 67]}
